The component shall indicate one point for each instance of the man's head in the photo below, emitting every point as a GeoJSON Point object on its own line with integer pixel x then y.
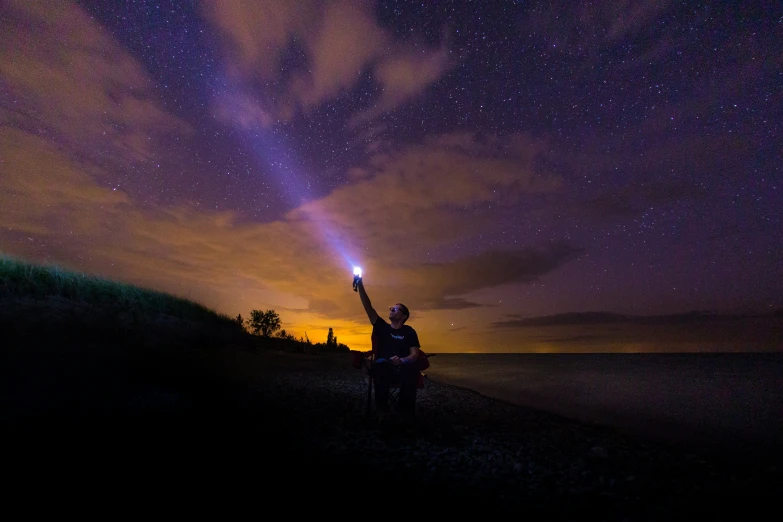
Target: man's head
{"type": "Point", "coordinates": [399, 312]}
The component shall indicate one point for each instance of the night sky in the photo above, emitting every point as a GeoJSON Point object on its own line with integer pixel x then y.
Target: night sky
{"type": "Point", "coordinates": [486, 163]}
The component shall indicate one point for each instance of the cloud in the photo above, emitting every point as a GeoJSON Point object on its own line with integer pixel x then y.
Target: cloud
{"type": "Point", "coordinates": [603, 332]}
{"type": "Point", "coordinates": [607, 318]}
{"type": "Point", "coordinates": [574, 339]}
{"type": "Point", "coordinates": [632, 199]}
{"type": "Point", "coordinates": [74, 105]}
{"type": "Point", "coordinates": [406, 201]}
{"type": "Point", "coordinates": [615, 20]}
{"type": "Point", "coordinates": [404, 77]}
{"type": "Point", "coordinates": [243, 111]}
{"type": "Point", "coordinates": [64, 133]}
{"type": "Point", "coordinates": [344, 42]}
{"type": "Point", "coordinates": [286, 264]}
{"type": "Point", "coordinates": [579, 28]}
{"type": "Point", "coordinates": [256, 32]}
{"type": "Point", "coordinates": [411, 200]}
{"type": "Point", "coordinates": [293, 56]}
{"type": "Point", "coordinates": [71, 82]}
{"type": "Point", "coordinates": [450, 303]}
{"type": "Point", "coordinates": [430, 190]}
{"type": "Point", "coordinates": [488, 269]}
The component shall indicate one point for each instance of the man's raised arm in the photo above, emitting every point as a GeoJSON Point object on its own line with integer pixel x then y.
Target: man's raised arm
{"type": "Point", "coordinates": [371, 313]}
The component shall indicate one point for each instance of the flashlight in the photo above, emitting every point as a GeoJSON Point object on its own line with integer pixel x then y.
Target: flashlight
{"type": "Point", "coordinates": [357, 276]}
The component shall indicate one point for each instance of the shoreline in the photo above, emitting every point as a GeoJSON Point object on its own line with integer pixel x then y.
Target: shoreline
{"type": "Point", "coordinates": [667, 435]}
{"type": "Point", "coordinates": [720, 403]}
{"type": "Point", "coordinates": [658, 431]}
{"type": "Point", "coordinates": [300, 419]}
{"type": "Point", "coordinates": [524, 454]}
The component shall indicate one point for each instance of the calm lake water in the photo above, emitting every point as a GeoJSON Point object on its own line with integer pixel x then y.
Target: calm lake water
{"type": "Point", "coordinates": [719, 401]}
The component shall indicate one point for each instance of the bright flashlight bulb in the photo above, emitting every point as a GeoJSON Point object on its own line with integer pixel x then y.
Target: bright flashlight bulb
{"type": "Point", "coordinates": [357, 271]}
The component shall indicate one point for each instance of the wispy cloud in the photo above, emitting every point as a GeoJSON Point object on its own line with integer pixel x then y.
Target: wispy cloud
{"type": "Point", "coordinates": [405, 76]}
{"type": "Point", "coordinates": [56, 206]}
{"type": "Point", "coordinates": [606, 318]}
{"type": "Point", "coordinates": [72, 83]}
{"type": "Point", "coordinates": [235, 266]}
{"type": "Point", "coordinates": [581, 28]}
{"type": "Point", "coordinates": [487, 270]}
{"type": "Point", "coordinates": [333, 46]}
{"type": "Point", "coordinates": [430, 188]}
{"type": "Point", "coordinates": [425, 188]}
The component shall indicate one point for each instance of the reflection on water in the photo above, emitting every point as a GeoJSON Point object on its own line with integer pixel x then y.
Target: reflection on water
{"type": "Point", "coordinates": [711, 399]}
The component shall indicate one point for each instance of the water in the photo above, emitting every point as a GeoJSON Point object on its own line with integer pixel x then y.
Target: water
{"type": "Point", "coordinates": [715, 401]}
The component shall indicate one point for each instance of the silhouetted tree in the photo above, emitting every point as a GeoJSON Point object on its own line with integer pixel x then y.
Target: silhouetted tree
{"type": "Point", "coordinates": [330, 340]}
{"type": "Point", "coordinates": [285, 335]}
{"type": "Point", "coordinates": [240, 320]}
{"type": "Point", "coordinates": [331, 344]}
{"type": "Point", "coordinates": [264, 323]}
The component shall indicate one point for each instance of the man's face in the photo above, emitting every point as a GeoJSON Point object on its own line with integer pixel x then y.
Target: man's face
{"type": "Point", "coordinates": [395, 313]}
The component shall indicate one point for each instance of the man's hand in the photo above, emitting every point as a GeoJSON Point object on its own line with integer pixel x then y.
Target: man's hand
{"type": "Point", "coordinates": [396, 361]}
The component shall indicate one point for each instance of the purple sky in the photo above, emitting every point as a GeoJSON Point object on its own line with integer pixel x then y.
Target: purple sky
{"type": "Point", "coordinates": [484, 165]}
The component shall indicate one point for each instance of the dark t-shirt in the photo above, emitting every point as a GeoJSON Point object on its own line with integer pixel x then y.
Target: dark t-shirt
{"type": "Point", "coordinates": [388, 342]}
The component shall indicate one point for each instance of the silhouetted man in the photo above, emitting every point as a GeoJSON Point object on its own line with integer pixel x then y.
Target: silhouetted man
{"type": "Point", "coordinates": [396, 347]}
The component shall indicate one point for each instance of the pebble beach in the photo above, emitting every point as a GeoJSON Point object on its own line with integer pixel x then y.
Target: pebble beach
{"type": "Point", "coordinates": [476, 450]}
{"type": "Point", "coordinates": [292, 430]}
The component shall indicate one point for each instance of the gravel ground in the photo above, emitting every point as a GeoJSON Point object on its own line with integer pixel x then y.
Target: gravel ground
{"type": "Point", "coordinates": [479, 450]}
{"type": "Point", "coordinates": [286, 426]}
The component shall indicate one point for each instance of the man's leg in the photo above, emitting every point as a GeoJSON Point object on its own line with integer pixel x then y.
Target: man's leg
{"type": "Point", "coordinates": [381, 379]}
{"type": "Point", "coordinates": [409, 377]}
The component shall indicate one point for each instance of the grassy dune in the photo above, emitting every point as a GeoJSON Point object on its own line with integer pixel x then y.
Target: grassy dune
{"type": "Point", "coordinates": [39, 300]}
{"type": "Point", "coordinates": [75, 344]}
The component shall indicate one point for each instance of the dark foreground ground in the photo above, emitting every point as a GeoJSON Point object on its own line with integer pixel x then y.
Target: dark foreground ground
{"type": "Point", "coordinates": [283, 434]}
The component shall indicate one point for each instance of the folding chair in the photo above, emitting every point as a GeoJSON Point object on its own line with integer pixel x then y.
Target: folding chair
{"type": "Point", "coordinates": [366, 360]}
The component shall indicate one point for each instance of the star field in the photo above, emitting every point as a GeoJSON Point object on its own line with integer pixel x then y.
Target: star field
{"type": "Point", "coordinates": [531, 158]}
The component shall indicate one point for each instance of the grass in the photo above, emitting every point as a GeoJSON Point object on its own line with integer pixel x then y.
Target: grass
{"type": "Point", "coordinates": [42, 303]}
{"type": "Point", "coordinates": [23, 280]}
